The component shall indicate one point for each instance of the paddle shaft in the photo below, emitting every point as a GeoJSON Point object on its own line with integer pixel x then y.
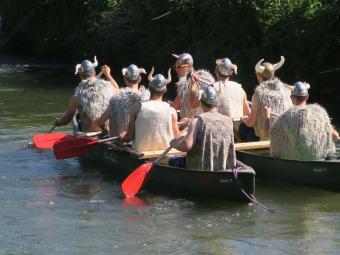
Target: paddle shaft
{"type": "Point", "coordinates": [168, 149]}
{"type": "Point", "coordinates": [162, 155]}
{"type": "Point", "coordinates": [51, 130]}
{"type": "Point", "coordinates": [108, 139]}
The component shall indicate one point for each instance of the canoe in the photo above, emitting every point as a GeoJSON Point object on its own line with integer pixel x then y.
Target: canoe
{"type": "Point", "coordinates": [324, 174]}
{"type": "Point", "coordinates": [121, 161]}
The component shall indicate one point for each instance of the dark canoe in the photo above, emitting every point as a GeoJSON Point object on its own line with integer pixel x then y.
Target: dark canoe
{"type": "Point", "coordinates": [323, 174]}
{"type": "Point", "coordinates": [121, 161]}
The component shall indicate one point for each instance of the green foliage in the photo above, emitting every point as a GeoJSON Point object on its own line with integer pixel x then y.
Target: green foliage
{"type": "Point", "coordinates": [146, 32]}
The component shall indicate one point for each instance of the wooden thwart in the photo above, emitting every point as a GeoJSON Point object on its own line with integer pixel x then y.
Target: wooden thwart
{"type": "Point", "coordinates": [156, 154]}
{"type": "Point", "coordinates": [238, 146]}
{"type": "Point", "coordinates": [252, 145]}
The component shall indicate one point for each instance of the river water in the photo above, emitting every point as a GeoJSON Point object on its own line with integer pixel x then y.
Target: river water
{"type": "Point", "coordinates": [65, 207]}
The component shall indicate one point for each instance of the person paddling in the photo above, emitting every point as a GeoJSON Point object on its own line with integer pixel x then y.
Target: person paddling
{"type": "Point", "coordinates": [186, 94]}
{"type": "Point", "coordinates": [270, 92]}
{"type": "Point", "coordinates": [118, 111]}
{"type": "Point", "coordinates": [91, 97]}
{"type": "Point", "coordinates": [304, 131]}
{"type": "Point", "coordinates": [209, 141]}
{"type": "Point", "coordinates": [152, 123]}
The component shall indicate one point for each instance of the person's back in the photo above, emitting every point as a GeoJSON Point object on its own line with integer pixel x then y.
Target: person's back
{"type": "Point", "coordinates": [93, 95]}
{"type": "Point", "coordinates": [273, 94]}
{"type": "Point", "coordinates": [152, 123]}
{"type": "Point", "coordinates": [302, 133]}
{"type": "Point", "coordinates": [153, 127]}
{"type": "Point", "coordinates": [230, 99]}
{"type": "Point", "coordinates": [90, 99]}
{"type": "Point", "coordinates": [119, 109]}
{"type": "Point", "coordinates": [214, 145]}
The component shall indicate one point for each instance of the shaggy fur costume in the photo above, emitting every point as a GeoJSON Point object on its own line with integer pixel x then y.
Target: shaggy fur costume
{"type": "Point", "coordinates": [214, 145]}
{"type": "Point", "coordinates": [120, 106]}
{"type": "Point", "coordinates": [275, 95]}
{"type": "Point", "coordinates": [302, 133]}
{"type": "Point", "coordinates": [183, 90]}
{"type": "Point", "coordinates": [94, 95]}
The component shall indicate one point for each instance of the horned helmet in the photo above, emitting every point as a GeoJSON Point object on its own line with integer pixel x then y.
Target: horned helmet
{"type": "Point", "coordinates": [267, 70]}
{"type": "Point", "coordinates": [86, 68]}
{"type": "Point", "coordinates": [224, 66]}
{"type": "Point", "coordinates": [132, 72]}
{"type": "Point", "coordinates": [209, 96]}
{"type": "Point", "coordinates": [158, 82]}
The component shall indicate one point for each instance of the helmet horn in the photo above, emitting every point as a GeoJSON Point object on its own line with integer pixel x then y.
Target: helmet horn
{"type": "Point", "coordinates": [234, 67]}
{"type": "Point", "coordinates": [77, 68]}
{"type": "Point", "coordinates": [95, 63]}
{"type": "Point", "coordinates": [279, 64]}
{"type": "Point", "coordinates": [259, 68]}
{"type": "Point", "coordinates": [142, 70]}
{"type": "Point", "coordinates": [168, 80]}
{"type": "Point", "coordinates": [151, 73]}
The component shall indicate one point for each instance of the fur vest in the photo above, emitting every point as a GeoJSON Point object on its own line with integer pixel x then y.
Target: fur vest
{"type": "Point", "coordinates": [302, 133]}
{"type": "Point", "coordinates": [184, 88]}
{"type": "Point", "coordinates": [120, 106]}
{"type": "Point", "coordinates": [94, 95]}
{"type": "Point", "coordinates": [275, 95]}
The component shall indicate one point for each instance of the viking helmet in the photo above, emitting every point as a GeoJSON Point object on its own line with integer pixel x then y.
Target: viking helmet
{"type": "Point", "coordinates": [132, 72]}
{"type": "Point", "coordinates": [158, 82]}
{"type": "Point", "coordinates": [86, 68]}
{"type": "Point", "coordinates": [300, 89]}
{"type": "Point", "coordinates": [184, 58]}
{"type": "Point", "coordinates": [209, 96]}
{"type": "Point", "coordinates": [224, 66]}
{"type": "Point", "coordinates": [267, 70]}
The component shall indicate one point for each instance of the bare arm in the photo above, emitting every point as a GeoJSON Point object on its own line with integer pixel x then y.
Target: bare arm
{"type": "Point", "coordinates": [189, 139]}
{"type": "Point", "coordinates": [130, 134]}
{"type": "Point", "coordinates": [175, 129]}
{"type": "Point", "coordinates": [102, 120]}
{"type": "Point", "coordinates": [194, 101]}
{"type": "Point", "coordinates": [250, 122]}
{"type": "Point", "coordinates": [107, 73]}
{"type": "Point", "coordinates": [335, 134]}
{"type": "Point", "coordinates": [246, 107]}
{"type": "Point", "coordinates": [69, 113]}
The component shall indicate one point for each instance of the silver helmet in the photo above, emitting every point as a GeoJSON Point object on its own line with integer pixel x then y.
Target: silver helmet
{"type": "Point", "coordinates": [158, 82]}
{"type": "Point", "coordinates": [224, 66]}
{"type": "Point", "coordinates": [132, 72]}
{"type": "Point", "coordinates": [300, 89]}
{"type": "Point", "coordinates": [209, 96]}
{"type": "Point", "coordinates": [86, 67]}
{"type": "Point", "coordinates": [184, 58]}
{"type": "Point", "coordinates": [267, 70]}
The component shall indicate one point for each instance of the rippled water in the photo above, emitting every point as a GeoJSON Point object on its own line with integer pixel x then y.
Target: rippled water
{"type": "Point", "coordinates": [64, 207]}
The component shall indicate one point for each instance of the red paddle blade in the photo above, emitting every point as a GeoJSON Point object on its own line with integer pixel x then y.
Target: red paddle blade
{"type": "Point", "coordinates": [133, 183]}
{"type": "Point", "coordinates": [73, 147]}
{"type": "Point", "coordinates": [46, 141]}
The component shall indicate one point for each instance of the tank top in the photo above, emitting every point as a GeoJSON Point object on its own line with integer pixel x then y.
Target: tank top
{"type": "Point", "coordinates": [230, 99]}
{"type": "Point", "coordinates": [153, 126]}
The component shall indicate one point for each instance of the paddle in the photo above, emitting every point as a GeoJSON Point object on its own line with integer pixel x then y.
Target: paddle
{"type": "Point", "coordinates": [133, 183]}
{"type": "Point", "coordinates": [46, 141]}
{"type": "Point", "coordinates": [76, 146]}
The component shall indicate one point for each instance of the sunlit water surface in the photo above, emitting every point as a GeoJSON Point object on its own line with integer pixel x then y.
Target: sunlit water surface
{"type": "Point", "coordinates": [64, 207]}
